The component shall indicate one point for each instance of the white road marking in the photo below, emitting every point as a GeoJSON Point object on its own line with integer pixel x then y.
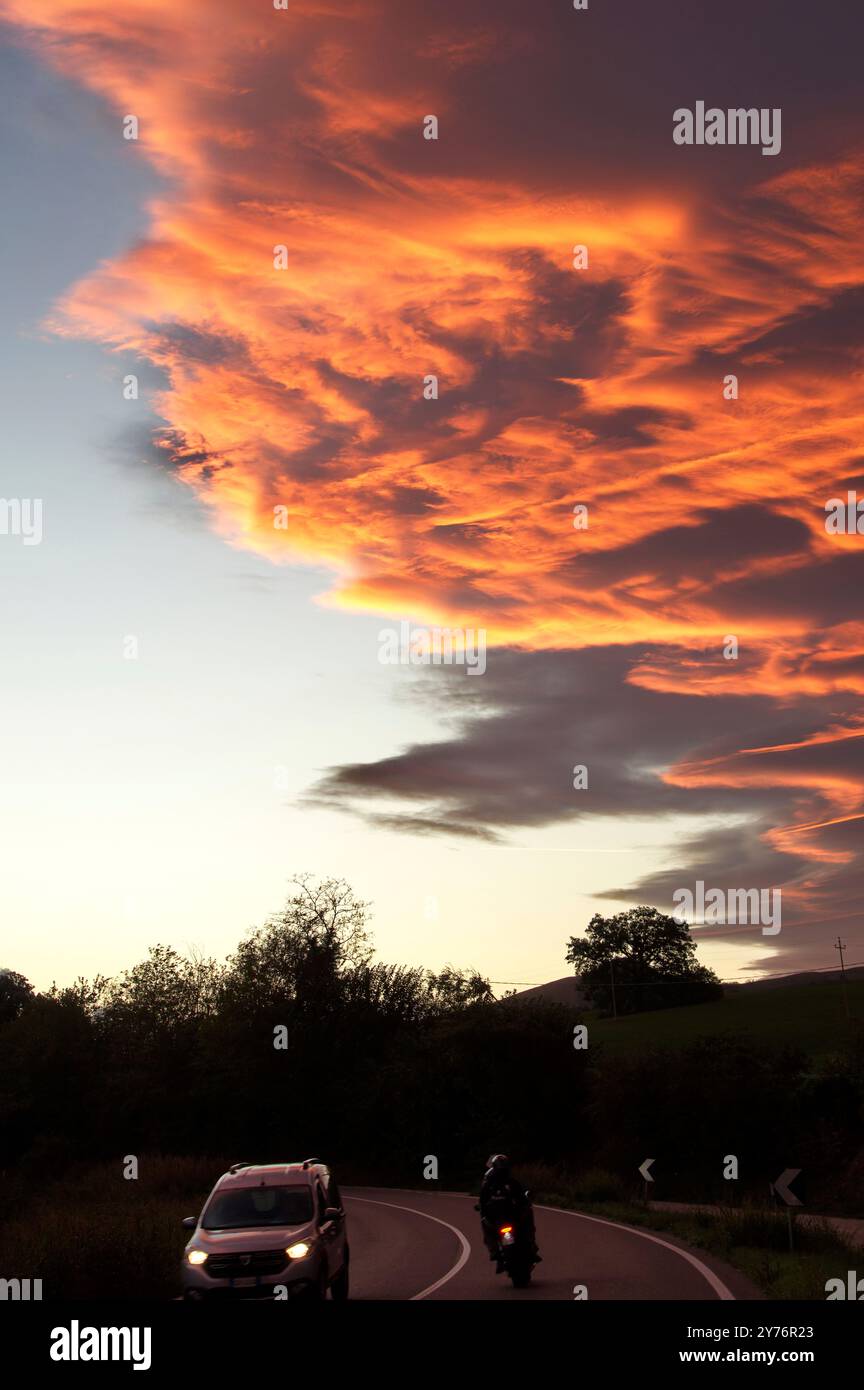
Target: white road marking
{"type": "Point", "coordinates": [717, 1284]}
{"type": "Point", "coordinates": [721, 1290]}
{"type": "Point", "coordinates": [463, 1258]}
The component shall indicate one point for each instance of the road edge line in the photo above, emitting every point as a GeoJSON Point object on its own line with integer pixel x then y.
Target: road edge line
{"type": "Point", "coordinates": [722, 1290]}
{"type": "Point", "coordinates": [463, 1240]}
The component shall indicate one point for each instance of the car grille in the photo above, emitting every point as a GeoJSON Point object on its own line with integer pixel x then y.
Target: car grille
{"type": "Point", "coordinates": [242, 1266]}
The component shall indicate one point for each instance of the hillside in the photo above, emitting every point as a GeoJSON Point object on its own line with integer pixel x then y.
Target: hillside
{"type": "Point", "coordinates": [810, 1016]}
{"type": "Point", "coordinates": [563, 991]}
{"type": "Point", "coordinates": [804, 1009]}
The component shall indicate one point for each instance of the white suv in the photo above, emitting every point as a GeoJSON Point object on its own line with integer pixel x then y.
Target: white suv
{"type": "Point", "coordinates": [273, 1230]}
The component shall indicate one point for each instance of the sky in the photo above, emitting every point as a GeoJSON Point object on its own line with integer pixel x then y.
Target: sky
{"type": "Point", "coordinates": [195, 705]}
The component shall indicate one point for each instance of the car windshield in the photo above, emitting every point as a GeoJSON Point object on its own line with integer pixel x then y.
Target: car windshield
{"type": "Point", "coordinates": [242, 1207]}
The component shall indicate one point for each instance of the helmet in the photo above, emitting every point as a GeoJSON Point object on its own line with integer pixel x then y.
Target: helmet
{"type": "Point", "coordinates": [498, 1163]}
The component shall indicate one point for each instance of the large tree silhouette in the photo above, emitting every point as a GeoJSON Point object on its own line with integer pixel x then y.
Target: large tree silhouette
{"type": "Point", "coordinates": [638, 960]}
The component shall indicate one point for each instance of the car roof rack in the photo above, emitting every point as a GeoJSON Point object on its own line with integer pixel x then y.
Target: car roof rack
{"type": "Point", "coordinates": [235, 1167]}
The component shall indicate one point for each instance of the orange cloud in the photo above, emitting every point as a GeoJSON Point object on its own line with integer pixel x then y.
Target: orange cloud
{"type": "Point", "coordinates": [311, 397]}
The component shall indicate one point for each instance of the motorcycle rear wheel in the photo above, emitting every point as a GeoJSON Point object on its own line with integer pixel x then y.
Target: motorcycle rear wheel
{"type": "Point", "coordinates": [520, 1276]}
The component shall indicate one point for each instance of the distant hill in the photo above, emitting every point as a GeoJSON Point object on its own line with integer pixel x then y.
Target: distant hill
{"type": "Point", "coordinates": [563, 991]}
{"type": "Point", "coordinates": [809, 1016]}
{"type": "Point", "coordinates": [804, 1010]}
{"type": "Point", "coordinates": [566, 990]}
{"type": "Point", "coordinates": [804, 977]}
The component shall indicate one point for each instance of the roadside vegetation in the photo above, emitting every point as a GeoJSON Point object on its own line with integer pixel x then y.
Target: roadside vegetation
{"type": "Point", "coordinates": [753, 1239]}
{"type": "Point", "coordinates": [88, 1235]}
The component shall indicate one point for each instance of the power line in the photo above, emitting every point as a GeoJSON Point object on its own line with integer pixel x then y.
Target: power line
{"type": "Point", "coordinates": [684, 979]}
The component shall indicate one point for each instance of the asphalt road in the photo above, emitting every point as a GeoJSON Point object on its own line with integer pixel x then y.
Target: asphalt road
{"type": "Point", "coordinates": [427, 1245]}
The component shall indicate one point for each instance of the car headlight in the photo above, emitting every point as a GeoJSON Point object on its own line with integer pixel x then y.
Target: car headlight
{"type": "Point", "coordinates": [298, 1251]}
{"type": "Point", "coordinates": [196, 1257]}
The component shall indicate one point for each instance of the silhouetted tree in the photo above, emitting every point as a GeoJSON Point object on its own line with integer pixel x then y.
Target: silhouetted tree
{"type": "Point", "coordinates": [649, 959]}
{"type": "Point", "coordinates": [15, 992]}
{"type": "Point", "coordinates": [301, 952]}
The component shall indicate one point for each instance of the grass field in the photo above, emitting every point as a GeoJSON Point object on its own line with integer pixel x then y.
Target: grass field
{"type": "Point", "coordinates": [93, 1234]}
{"type": "Point", "coordinates": [810, 1016]}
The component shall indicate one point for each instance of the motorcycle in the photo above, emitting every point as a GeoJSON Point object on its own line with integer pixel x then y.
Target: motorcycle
{"type": "Point", "coordinates": [516, 1255]}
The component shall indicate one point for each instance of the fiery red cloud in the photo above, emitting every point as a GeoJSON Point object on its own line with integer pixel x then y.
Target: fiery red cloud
{"type": "Point", "coordinates": [303, 387]}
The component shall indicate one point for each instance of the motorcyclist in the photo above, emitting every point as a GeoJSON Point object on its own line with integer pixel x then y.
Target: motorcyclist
{"type": "Point", "coordinates": [503, 1198]}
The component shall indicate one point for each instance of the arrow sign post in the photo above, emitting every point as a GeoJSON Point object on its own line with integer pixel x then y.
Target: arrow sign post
{"type": "Point", "coordinates": [782, 1188]}
{"type": "Point", "coordinates": [646, 1177]}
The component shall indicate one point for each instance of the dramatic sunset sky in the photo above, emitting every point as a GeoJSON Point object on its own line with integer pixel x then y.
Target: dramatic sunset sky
{"type": "Point", "coordinates": [169, 798]}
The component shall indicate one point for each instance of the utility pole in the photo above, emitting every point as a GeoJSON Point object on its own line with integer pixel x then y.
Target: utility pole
{"type": "Point", "coordinates": [612, 979]}
{"type": "Point", "coordinates": [841, 947]}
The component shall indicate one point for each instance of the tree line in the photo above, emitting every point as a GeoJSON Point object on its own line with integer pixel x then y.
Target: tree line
{"type": "Point", "coordinates": [379, 1066]}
